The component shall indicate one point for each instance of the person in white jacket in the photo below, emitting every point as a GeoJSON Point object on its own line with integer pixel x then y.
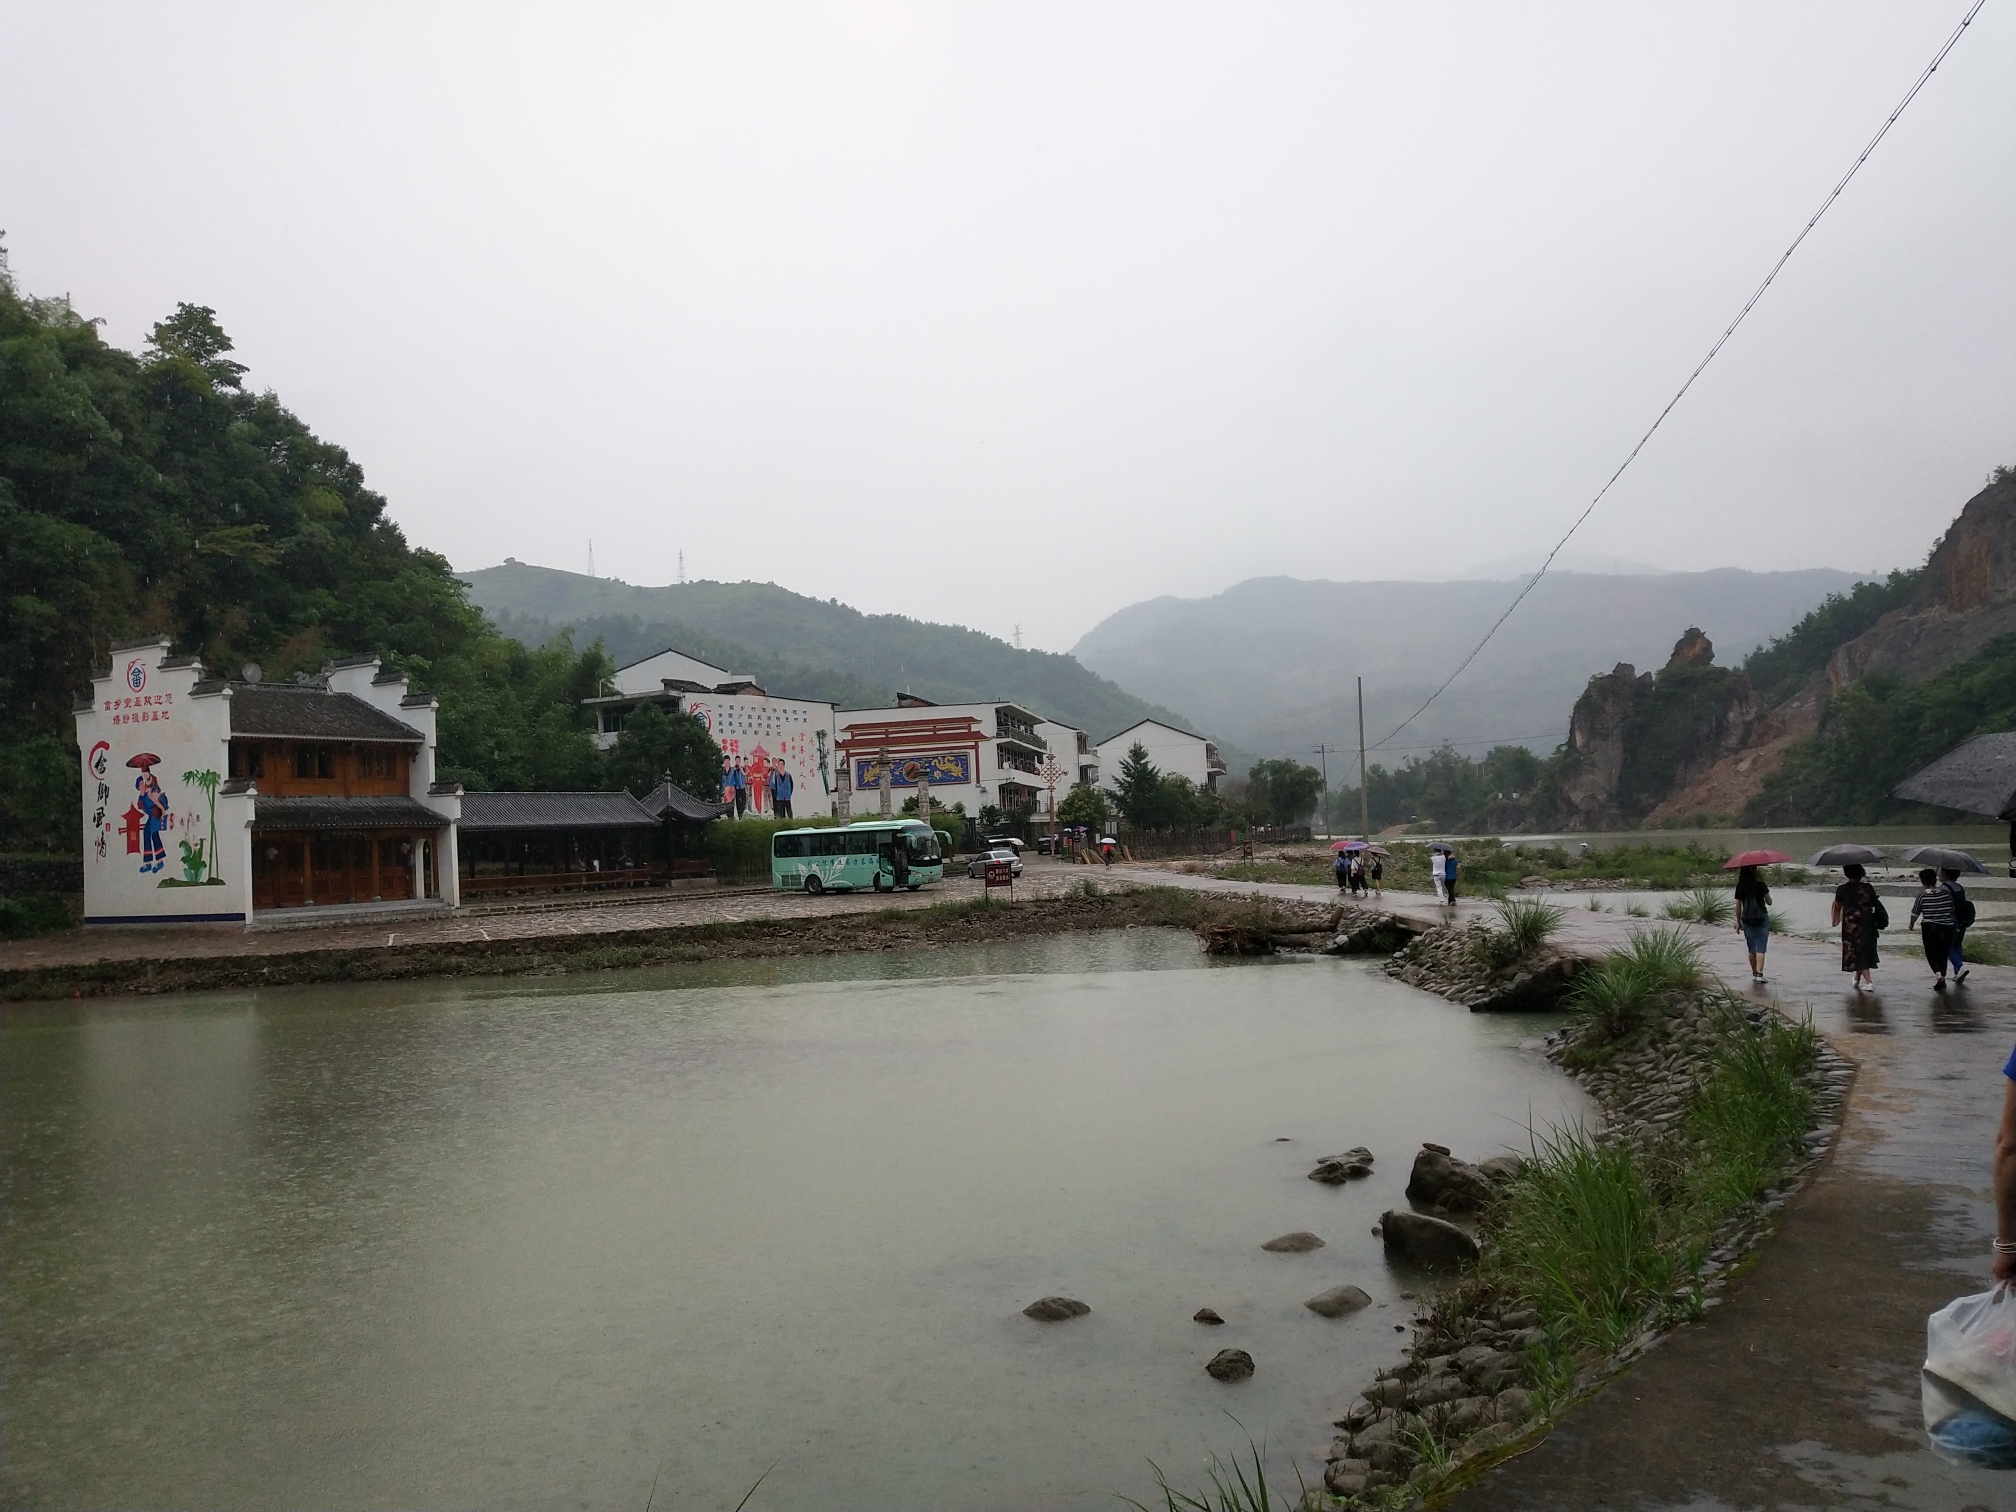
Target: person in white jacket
{"type": "Point", "coordinates": [1435, 873]}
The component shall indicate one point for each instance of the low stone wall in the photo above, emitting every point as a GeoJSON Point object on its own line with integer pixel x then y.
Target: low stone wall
{"type": "Point", "coordinates": [1459, 962]}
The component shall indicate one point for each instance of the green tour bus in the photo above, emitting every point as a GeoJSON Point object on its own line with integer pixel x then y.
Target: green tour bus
{"type": "Point", "coordinates": [882, 855]}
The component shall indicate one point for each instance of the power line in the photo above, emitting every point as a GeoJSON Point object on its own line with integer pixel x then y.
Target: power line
{"type": "Point", "coordinates": [1720, 342]}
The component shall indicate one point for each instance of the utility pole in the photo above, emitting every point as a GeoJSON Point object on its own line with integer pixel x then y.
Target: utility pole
{"type": "Point", "coordinates": [1323, 754]}
{"type": "Point", "coordinates": [1364, 804]}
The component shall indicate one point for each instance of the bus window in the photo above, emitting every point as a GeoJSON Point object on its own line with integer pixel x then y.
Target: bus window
{"type": "Point", "coordinates": [787, 845]}
{"type": "Point", "coordinates": [829, 843]}
{"type": "Point", "coordinates": [923, 848]}
{"type": "Point", "coordinates": [862, 842]}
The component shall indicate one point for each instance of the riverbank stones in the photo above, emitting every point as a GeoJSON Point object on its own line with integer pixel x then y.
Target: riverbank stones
{"type": "Point", "coordinates": [1230, 1366]}
{"type": "Point", "coordinates": [1338, 1302]}
{"type": "Point", "coordinates": [1298, 1243]}
{"type": "Point", "coordinates": [1205, 1315]}
{"type": "Point", "coordinates": [1055, 1309]}
{"type": "Point", "coordinates": [1432, 1244]}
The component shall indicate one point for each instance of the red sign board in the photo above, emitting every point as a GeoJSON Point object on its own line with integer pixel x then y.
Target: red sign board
{"type": "Point", "coordinates": [1001, 874]}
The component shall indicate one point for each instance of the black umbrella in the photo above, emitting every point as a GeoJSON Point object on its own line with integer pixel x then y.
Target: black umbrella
{"type": "Point", "coordinates": [1977, 776]}
{"type": "Point", "coordinates": [1943, 856]}
{"type": "Point", "coordinates": [1842, 855]}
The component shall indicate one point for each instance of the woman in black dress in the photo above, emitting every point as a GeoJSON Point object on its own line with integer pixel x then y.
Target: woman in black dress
{"type": "Point", "coordinates": [1856, 908]}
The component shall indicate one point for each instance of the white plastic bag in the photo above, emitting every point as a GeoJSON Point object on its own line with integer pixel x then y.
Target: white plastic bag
{"type": "Point", "coordinates": [1969, 1380]}
{"type": "Point", "coordinates": [1971, 1342]}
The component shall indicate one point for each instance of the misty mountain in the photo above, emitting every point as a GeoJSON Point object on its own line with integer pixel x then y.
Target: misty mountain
{"type": "Point", "coordinates": [1269, 664]}
{"type": "Point", "coordinates": [805, 647]}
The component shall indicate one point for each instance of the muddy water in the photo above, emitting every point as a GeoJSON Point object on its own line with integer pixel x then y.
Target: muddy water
{"type": "Point", "coordinates": [637, 1239]}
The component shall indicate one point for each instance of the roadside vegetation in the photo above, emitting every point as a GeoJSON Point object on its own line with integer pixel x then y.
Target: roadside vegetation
{"type": "Point", "coordinates": [1490, 867]}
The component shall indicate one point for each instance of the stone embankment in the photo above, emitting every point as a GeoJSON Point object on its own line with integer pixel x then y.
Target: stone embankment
{"type": "Point", "coordinates": [1467, 963]}
{"type": "Point", "coordinates": [1483, 1375]}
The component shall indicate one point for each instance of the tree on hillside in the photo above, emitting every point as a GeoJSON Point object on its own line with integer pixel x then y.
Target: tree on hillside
{"type": "Point", "coordinates": [152, 493]}
{"type": "Point", "coordinates": [1282, 791]}
{"type": "Point", "coordinates": [1137, 788]}
{"type": "Point", "coordinates": [1085, 804]}
{"type": "Point", "coordinates": [655, 745]}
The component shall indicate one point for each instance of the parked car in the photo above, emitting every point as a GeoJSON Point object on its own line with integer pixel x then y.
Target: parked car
{"type": "Point", "coordinates": [1042, 845]}
{"type": "Point", "coordinates": [977, 867]}
{"type": "Point", "coordinates": [1004, 842]}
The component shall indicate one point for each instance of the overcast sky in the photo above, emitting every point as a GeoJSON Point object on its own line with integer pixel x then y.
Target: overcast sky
{"type": "Point", "coordinates": [1018, 314]}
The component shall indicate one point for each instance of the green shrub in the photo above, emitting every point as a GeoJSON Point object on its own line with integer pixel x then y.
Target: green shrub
{"type": "Point", "coordinates": [1614, 998]}
{"type": "Point", "coordinates": [27, 914]}
{"type": "Point", "coordinates": [741, 847]}
{"type": "Point", "coordinates": [1580, 1238]}
{"type": "Point", "coordinates": [1749, 1118]}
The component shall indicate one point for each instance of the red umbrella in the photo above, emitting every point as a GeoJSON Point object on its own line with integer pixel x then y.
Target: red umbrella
{"type": "Point", "coordinates": [144, 760]}
{"type": "Point", "coordinates": [1348, 845]}
{"type": "Point", "coordinates": [1755, 858]}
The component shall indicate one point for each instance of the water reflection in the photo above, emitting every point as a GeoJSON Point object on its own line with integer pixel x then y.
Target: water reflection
{"type": "Point", "coordinates": [504, 1244]}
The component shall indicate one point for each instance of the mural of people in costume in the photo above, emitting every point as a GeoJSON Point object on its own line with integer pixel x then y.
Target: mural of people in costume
{"type": "Point", "coordinates": [759, 780]}
{"type": "Point", "coordinates": [781, 787]}
{"type": "Point", "coordinates": [153, 806]}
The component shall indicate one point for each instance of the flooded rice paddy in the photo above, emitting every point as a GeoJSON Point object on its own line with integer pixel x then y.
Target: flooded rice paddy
{"type": "Point", "coordinates": [643, 1237]}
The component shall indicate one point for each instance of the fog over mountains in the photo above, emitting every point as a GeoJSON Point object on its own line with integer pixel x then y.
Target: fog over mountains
{"type": "Point", "coordinates": [1268, 665]}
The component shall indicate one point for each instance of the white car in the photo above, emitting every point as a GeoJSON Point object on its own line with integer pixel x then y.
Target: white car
{"type": "Point", "coordinates": [977, 867]}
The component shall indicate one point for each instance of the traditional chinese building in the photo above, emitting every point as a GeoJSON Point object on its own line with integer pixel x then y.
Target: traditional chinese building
{"type": "Point", "coordinates": [984, 755]}
{"type": "Point", "coordinates": [205, 800]}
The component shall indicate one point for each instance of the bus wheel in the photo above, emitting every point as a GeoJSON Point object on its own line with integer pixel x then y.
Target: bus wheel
{"type": "Point", "coordinates": [881, 886]}
{"type": "Point", "coordinates": [814, 886]}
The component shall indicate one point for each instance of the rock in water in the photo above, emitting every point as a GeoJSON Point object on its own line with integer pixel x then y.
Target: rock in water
{"type": "Point", "coordinates": [1205, 1315]}
{"type": "Point", "coordinates": [1297, 1243]}
{"type": "Point", "coordinates": [1440, 1180]}
{"type": "Point", "coordinates": [1338, 1301]}
{"type": "Point", "coordinates": [1352, 1164]}
{"type": "Point", "coordinates": [1230, 1365]}
{"type": "Point", "coordinates": [1055, 1309]}
{"type": "Point", "coordinates": [1427, 1243]}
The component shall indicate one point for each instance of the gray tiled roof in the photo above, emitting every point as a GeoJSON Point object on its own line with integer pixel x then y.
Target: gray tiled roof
{"type": "Point", "coordinates": [523, 811]}
{"type": "Point", "coordinates": [343, 813]}
{"type": "Point", "coordinates": [308, 712]}
{"type": "Point", "coordinates": [666, 797]}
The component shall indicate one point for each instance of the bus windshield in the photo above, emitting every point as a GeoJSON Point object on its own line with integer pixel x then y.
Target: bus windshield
{"type": "Point", "coordinates": [923, 846]}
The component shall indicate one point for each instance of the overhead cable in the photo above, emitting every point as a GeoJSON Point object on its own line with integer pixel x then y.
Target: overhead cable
{"type": "Point", "coordinates": [1720, 342]}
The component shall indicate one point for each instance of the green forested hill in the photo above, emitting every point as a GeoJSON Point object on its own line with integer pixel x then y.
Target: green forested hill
{"type": "Point", "coordinates": [151, 492]}
{"type": "Point", "coordinates": [816, 648]}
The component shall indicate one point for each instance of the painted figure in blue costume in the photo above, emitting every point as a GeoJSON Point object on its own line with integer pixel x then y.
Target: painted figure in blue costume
{"type": "Point", "coordinates": [153, 804]}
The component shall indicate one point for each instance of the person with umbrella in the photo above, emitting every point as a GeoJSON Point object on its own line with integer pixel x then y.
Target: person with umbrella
{"type": "Point", "coordinates": [1860, 915]}
{"type": "Point", "coordinates": [1376, 871]}
{"type": "Point", "coordinates": [1932, 912]}
{"type": "Point", "coordinates": [1449, 878]}
{"type": "Point", "coordinates": [1753, 904]}
{"type": "Point", "coordinates": [1951, 863]}
{"type": "Point", "coordinates": [1753, 918]}
{"type": "Point", "coordinates": [1435, 855]}
{"type": "Point", "coordinates": [1342, 866]}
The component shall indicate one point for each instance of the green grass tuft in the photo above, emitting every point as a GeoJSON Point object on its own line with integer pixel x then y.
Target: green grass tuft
{"type": "Point", "coordinates": [1703, 905]}
{"type": "Point", "coordinates": [1528, 923]}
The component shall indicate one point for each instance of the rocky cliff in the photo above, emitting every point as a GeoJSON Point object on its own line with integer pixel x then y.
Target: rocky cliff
{"type": "Point", "coordinates": [1635, 738]}
{"type": "Point", "coordinates": [1965, 598]}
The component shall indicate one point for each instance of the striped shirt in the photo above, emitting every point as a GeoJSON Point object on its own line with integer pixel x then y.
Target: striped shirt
{"type": "Point", "coordinates": [1934, 906]}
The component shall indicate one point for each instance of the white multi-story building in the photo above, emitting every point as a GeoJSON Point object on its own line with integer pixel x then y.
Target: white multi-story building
{"type": "Point", "coordinates": [759, 733]}
{"type": "Point", "coordinates": [982, 755]}
{"type": "Point", "coordinates": [1174, 752]}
